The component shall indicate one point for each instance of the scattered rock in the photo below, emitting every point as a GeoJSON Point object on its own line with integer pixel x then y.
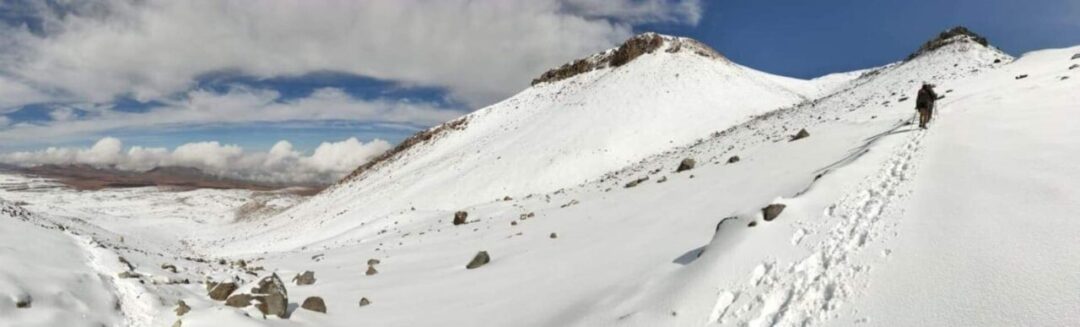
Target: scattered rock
{"type": "Point", "coordinates": [636, 182]}
{"type": "Point", "coordinates": [553, 235]}
{"type": "Point", "coordinates": [733, 159]}
{"type": "Point", "coordinates": [222, 262]}
{"type": "Point", "coordinates": [222, 291]}
{"type": "Point", "coordinates": [661, 180]}
{"type": "Point", "coordinates": [314, 303]}
{"type": "Point", "coordinates": [1074, 66]}
{"type": "Point", "coordinates": [459, 217]}
{"type": "Point", "coordinates": [128, 274]}
{"type": "Point", "coordinates": [997, 61]}
{"type": "Point", "coordinates": [168, 267]}
{"type": "Point", "coordinates": [507, 198]}
{"type": "Point", "coordinates": [802, 134]}
{"type": "Point", "coordinates": [364, 301]}
{"type": "Point", "coordinates": [371, 271]}
{"type": "Point", "coordinates": [479, 260]}
{"type": "Point", "coordinates": [373, 261]}
{"type": "Point", "coordinates": [1076, 56]}
{"type": "Point", "coordinates": [1020, 77]}
{"type": "Point", "coordinates": [23, 302]}
{"type": "Point", "coordinates": [752, 224]}
{"type": "Point", "coordinates": [305, 278]}
{"type": "Point", "coordinates": [272, 296]}
{"type": "Point", "coordinates": [686, 164]}
{"type": "Point", "coordinates": [902, 99]}
{"type": "Point", "coordinates": [239, 300]}
{"type": "Point", "coordinates": [181, 308]}
{"type": "Point", "coordinates": [772, 211]}
{"type": "Point", "coordinates": [513, 223]}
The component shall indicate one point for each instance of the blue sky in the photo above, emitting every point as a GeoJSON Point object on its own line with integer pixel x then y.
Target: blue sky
{"type": "Point", "coordinates": [382, 70]}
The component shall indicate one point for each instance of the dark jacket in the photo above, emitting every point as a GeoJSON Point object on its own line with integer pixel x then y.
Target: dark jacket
{"type": "Point", "coordinates": [926, 98]}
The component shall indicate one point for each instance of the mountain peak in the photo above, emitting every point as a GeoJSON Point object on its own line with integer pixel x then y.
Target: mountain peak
{"type": "Point", "coordinates": [950, 36]}
{"type": "Point", "coordinates": [629, 50]}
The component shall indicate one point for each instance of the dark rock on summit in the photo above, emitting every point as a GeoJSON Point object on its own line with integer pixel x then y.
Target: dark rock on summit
{"type": "Point", "coordinates": [946, 38]}
{"type": "Point", "coordinates": [635, 47]}
{"type": "Point", "coordinates": [479, 260]}
{"type": "Point", "coordinates": [459, 217]}
{"type": "Point", "coordinates": [772, 211]}
{"type": "Point", "coordinates": [222, 291]}
{"type": "Point", "coordinates": [305, 278]}
{"type": "Point", "coordinates": [314, 303]}
{"type": "Point", "coordinates": [801, 135]}
{"type": "Point", "coordinates": [686, 164]}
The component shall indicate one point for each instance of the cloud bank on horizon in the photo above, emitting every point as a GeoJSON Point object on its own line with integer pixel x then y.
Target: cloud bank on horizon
{"type": "Point", "coordinates": [73, 64]}
{"type": "Point", "coordinates": [281, 164]}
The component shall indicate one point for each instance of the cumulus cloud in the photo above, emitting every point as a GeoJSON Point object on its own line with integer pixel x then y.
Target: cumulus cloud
{"type": "Point", "coordinates": [239, 105]}
{"type": "Point", "coordinates": [480, 51]}
{"type": "Point", "coordinates": [282, 164]}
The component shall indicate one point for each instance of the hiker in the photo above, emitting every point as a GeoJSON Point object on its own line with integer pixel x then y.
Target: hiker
{"type": "Point", "coordinates": [924, 103]}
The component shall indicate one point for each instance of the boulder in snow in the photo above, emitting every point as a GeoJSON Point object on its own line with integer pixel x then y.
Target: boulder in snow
{"type": "Point", "coordinates": [23, 301]}
{"type": "Point", "coordinates": [364, 301]}
{"type": "Point", "coordinates": [314, 303]}
{"type": "Point", "coordinates": [733, 159]}
{"type": "Point", "coordinates": [305, 278]}
{"type": "Point", "coordinates": [1074, 66]}
{"type": "Point", "coordinates": [459, 217]}
{"type": "Point", "coordinates": [168, 267]}
{"type": "Point", "coordinates": [686, 164]}
{"type": "Point", "coordinates": [636, 182]}
{"type": "Point", "coordinates": [479, 260]}
{"type": "Point", "coordinates": [802, 134]}
{"type": "Point", "coordinates": [181, 308]}
{"type": "Point", "coordinates": [222, 291]}
{"type": "Point", "coordinates": [772, 211]}
{"type": "Point", "coordinates": [272, 296]}
{"type": "Point", "coordinates": [373, 261]}
{"type": "Point", "coordinates": [1076, 56]}
{"type": "Point", "coordinates": [371, 271]}
{"type": "Point", "coordinates": [239, 300]}
{"type": "Point", "coordinates": [1022, 76]}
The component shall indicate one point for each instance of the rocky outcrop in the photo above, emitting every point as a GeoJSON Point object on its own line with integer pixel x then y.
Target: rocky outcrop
{"type": "Point", "coordinates": [949, 37]}
{"type": "Point", "coordinates": [628, 51]}
{"type": "Point", "coordinates": [802, 134]}
{"type": "Point", "coordinates": [181, 308]}
{"type": "Point", "coordinates": [239, 300]}
{"type": "Point", "coordinates": [635, 47]}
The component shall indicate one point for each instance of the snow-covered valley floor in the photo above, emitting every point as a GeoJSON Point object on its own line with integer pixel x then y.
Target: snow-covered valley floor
{"type": "Point", "coordinates": [971, 222]}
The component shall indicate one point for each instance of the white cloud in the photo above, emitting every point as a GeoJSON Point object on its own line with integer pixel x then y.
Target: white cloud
{"type": "Point", "coordinates": [4, 121]}
{"type": "Point", "coordinates": [329, 162]}
{"type": "Point", "coordinates": [480, 51]}
{"type": "Point", "coordinates": [239, 105]}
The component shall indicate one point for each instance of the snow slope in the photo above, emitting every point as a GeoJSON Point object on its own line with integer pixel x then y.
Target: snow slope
{"type": "Point", "coordinates": [556, 135]}
{"type": "Point", "coordinates": [884, 224]}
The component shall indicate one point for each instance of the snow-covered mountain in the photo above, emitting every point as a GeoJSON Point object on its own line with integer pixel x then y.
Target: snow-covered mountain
{"type": "Point", "coordinates": [572, 188]}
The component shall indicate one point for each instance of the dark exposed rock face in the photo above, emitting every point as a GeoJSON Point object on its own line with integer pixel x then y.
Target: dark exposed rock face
{"type": "Point", "coordinates": [479, 260]}
{"type": "Point", "coordinates": [772, 211]}
{"type": "Point", "coordinates": [635, 47]}
{"type": "Point", "coordinates": [460, 217]}
{"type": "Point", "coordinates": [686, 164]}
{"type": "Point", "coordinates": [222, 291]}
{"type": "Point", "coordinates": [579, 66]}
{"type": "Point", "coordinates": [418, 138]}
{"type": "Point", "coordinates": [314, 303]}
{"type": "Point", "coordinates": [946, 38]}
